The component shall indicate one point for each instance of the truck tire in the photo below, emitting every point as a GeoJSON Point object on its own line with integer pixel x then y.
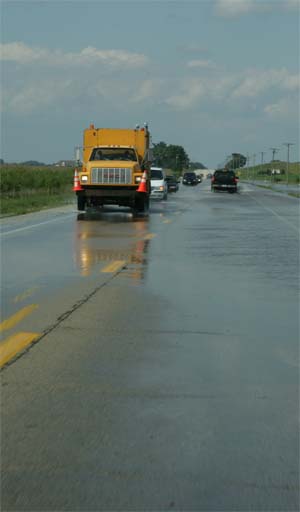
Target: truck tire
{"type": "Point", "coordinates": [141, 204]}
{"type": "Point", "coordinates": [81, 203]}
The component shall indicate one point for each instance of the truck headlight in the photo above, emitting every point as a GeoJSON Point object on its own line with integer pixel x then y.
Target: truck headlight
{"type": "Point", "coordinates": [84, 177]}
{"type": "Point", "coordinates": [138, 179]}
{"type": "Point", "coordinates": [161, 188]}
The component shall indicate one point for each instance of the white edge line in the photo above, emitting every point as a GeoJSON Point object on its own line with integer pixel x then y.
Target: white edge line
{"type": "Point", "coordinates": [277, 215]}
{"type": "Point", "coordinates": [35, 225]}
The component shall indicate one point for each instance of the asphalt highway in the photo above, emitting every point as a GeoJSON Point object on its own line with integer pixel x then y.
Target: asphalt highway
{"type": "Point", "coordinates": [152, 364]}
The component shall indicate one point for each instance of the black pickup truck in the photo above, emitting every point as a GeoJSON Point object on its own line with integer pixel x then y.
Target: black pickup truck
{"type": "Point", "coordinates": [224, 180]}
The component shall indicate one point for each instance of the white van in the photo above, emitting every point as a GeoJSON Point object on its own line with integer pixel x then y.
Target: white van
{"type": "Point", "coordinates": [159, 186]}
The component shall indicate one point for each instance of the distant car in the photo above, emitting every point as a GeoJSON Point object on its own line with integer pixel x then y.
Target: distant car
{"type": "Point", "coordinates": [189, 178]}
{"type": "Point", "coordinates": [224, 180]}
{"type": "Point", "coordinates": [172, 183]}
{"type": "Point", "coordinates": [159, 187]}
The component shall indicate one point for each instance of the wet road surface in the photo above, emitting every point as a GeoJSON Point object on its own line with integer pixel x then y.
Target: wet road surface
{"type": "Point", "coordinates": [168, 377]}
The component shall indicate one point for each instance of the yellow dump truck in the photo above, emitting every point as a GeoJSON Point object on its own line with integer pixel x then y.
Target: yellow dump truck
{"type": "Point", "coordinates": [114, 161]}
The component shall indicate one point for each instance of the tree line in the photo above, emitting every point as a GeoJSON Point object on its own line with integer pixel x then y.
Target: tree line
{"type": "Point", "coordinates": [171, 156]}
{"type": "Point", "coordinates": [236, 161]}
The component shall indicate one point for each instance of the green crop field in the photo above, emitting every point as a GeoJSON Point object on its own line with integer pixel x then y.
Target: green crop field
{"type": "Point", "coordinates": [24, 188]}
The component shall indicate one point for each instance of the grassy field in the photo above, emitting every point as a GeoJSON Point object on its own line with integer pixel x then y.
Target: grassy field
{"type": "Point", "coordinates": [27, 189]}
{"type": "Point", "coordinates": [264, 172]}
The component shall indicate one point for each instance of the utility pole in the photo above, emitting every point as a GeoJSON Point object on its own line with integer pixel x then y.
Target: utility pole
{"type": "Point", "coordinates": [247, 163]}
{"type": "Point", "coordinates": [288, 144]}
{"type": "Point", "coordinates": [262, 161]}
{"type": "Point", "coordinates": [274, 150]}
{"type": "Point", "coordinates": [227, 160]}
{"type": "Point", "coordinates": [77, 155]}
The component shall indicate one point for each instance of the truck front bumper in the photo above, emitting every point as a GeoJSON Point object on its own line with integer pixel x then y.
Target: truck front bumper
{"type": "Point", "coordinates": [104, 191]}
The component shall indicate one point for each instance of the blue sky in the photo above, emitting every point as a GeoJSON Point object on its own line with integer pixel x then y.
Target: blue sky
{"type": "Point", "coordinates": [216, 76]}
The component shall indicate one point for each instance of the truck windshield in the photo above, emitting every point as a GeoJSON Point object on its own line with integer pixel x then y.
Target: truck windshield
{"type": "Point", "coordinates": [113, 154]}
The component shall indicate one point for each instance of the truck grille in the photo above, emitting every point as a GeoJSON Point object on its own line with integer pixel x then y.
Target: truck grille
{"type": "Point", "coordinates": [114, 176]}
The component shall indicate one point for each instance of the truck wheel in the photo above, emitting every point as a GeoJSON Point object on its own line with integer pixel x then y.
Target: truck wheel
{"type": "Point", "coordinates": [141, 204]}
{"type": "Point", "coordinates": [80, 203]}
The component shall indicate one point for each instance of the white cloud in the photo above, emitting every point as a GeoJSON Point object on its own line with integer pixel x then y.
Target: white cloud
{"type": "Point", "coordinates": [20, 53]}
{"type": "Point", "coordinates": [233, 8]}
{"type": "Point", "coordinates": [39, 95]}
{"type": "Point", "coordinates": [117, 81]}
{"type": "Point", "coordinates": [147, 90]}
{"type": "Point", "coordinates": [198, 63]}
{"type": "Point", "coordinates": [285, 107]}
{"type": "Point", "coordinates": [292, 82]}
{"type": "Point", "coordinates": [255, 82]}
{"type": "Point", "coordinates": [110, 57]}
{"type": "Point", "coordinates": [190, 95]}
{"type": "Point", "coordinates": [248, 88]}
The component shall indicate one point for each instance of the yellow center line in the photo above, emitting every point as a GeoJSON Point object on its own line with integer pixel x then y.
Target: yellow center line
{"type": "Point", "coordinates": [114, 266]}
{"type": "Point", "coordinates": [25, 294]}
{"type": "Point", "coordinates": [149, 236]}
{"type": "Point", "coordinates": [15, 344]}
{"type": "Point", "coordinates": [17, 317]}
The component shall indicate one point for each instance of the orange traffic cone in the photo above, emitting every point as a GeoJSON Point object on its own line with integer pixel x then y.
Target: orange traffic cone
{"type": "Point", "coordinates": [143, 183]}
{"type": "Point", "coordinates": [77, 185]}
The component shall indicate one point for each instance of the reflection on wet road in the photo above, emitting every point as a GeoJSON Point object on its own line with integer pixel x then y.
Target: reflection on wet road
{"type": "Point", "coordinates": [95, 242]}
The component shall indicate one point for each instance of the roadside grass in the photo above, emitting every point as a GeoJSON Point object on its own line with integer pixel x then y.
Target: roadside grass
{"type": "Point", "coordinates": [264, 173]}
{"type": "Point", "coordinates": [25, 189]}
{"type": "Point", "coordinates": [34, 202]}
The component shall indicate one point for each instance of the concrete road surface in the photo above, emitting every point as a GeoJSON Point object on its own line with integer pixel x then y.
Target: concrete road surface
{"type": "Point", "coordinates": [162, 371]}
